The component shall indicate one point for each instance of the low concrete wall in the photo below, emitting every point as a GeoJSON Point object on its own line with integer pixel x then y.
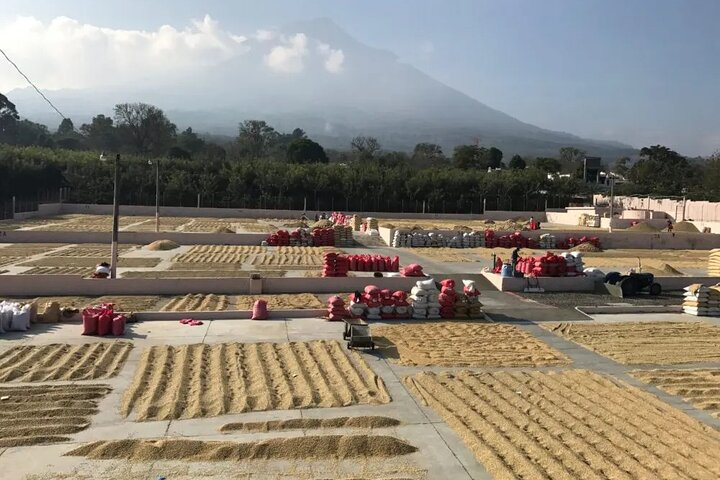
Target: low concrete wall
{"type": "Point", "coordinates": [678, 283]}
{"type": "Point", "coordinates": [50, 285]}
{"type": "Point", "coordinates": [139, 210]}
{"type": "Point", "coordinates": [132, 238]}
{"type": "Point", "coordinates": [549, 284]}
{"type": "Point", "coordinates": [229, 314]}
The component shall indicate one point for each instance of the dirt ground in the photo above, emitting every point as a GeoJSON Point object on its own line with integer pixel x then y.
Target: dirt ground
{"type": "Point", "coordinates": [43, 414]}
{"type": "Point", "coordinates": [572, 424]}
{"type": "Point", "coordinates": [123, 303]}
{"type": "Point", "coordinates": [464, 344]}
{"type": "Point", "coordinates": [82, 271]}
{"type": "Point", "coordinates": [699, 387]}
{"type": "Point", "coordinates": [659, 343]}
{"type": "Point", "coordinates": [203, 380]}
{"type": "Point", "coordinates": [280, 301]}
{"type": "Point", "coordinates": [90, 361]}
{"type": "Point", "coordinates": [200, 273]}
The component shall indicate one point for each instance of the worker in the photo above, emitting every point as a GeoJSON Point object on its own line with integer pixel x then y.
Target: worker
{"type": "Point", "coordinates": [102, 270]}
{"type": "Point", "coordinates": [323, 216]}
{"type": "Point", "coordinates": [303, 217]}
{"type": "Point", "coordinates": [317, 217]}
{"type": "Point", "coordinates": [669, 225]}
{"type": "Point", "coordinates": [515, 257]}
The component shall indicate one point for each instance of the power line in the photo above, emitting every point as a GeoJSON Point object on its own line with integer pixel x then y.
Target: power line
{"type": "Point", "coordinates": [31, 83]}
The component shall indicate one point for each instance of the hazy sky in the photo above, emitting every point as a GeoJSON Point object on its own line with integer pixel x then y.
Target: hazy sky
{"type": "Point", "coordinates": [637, 71]}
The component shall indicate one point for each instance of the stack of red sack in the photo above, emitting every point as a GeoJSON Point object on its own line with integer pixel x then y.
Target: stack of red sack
{"type": "Point", "coordinates": [323, 237]}
{"type": "Point", "coordinates": [373, 300]}
{"type": "Point", "coordinates": [357, 305]}
{"type": "Point", "coordinates": [447, 298]}
{"type": "Point", "coordinates": [491, 241]}
{"type": "Point", "coordinates": [412, 270]}
{"type": "Point", "coordinates": [102, 320]}
{"type": "Point", "coordinates": [279, 238]}
{"type": "Point", "coordinates": [549, 265]}
{"type": "Point", "coordinates": [402, 306]}
{"type": "Point", "coordinates": [336, 309]}
{"type": "Point", "coordinates": [339, 218]}
{"type": "Point", "coordinates": [387, 301]}
{"type": "Point", "coordinates": [335, 265]}
{"type": "Point", "coordinates": [373, 263]}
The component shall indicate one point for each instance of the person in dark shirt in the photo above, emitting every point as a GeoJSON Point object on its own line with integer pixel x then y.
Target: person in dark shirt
{"type": "Point", "coordinates": [514, 257]}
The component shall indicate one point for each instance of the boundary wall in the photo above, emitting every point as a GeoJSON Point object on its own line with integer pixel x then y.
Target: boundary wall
{"type": "Point", "coordinates": [149, 211]}
{"type": "Point", "coordinates": [58, 285]}
{"type": "Point", "coordinates": [585, 284]}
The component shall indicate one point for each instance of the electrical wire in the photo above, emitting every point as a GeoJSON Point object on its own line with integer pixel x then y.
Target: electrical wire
{"type": "Point", "coordinates": [31, 83]}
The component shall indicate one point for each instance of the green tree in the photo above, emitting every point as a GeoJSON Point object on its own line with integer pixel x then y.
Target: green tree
{"type": "Point", "coordinates": [571, 155]}
{"type": "Point", "coordinates": [65, 128]}
{"type": "Point", "coordinates": [8, 120]}
{"type": "Point", "coordinates": [256, 137]}
{"type": "Point", "coordinates": [190, 141]}
{"type": "Point", "coordinates": [660, 170]}
{"type": "Point", "coordinates": [494, 157]}
{"type": "Point", "coordinates": [146, 127]}
{"type": "Point", "coordinates": [547, 164]}
{"type": "Point", "coordinates": [30, 133]}
{"type": "Point", "coordinates": [470, 156]}
{"type": "Point", "coordinates": [426, 154]}
{"type": "Point", "coordinates": [621, 166]}
{"type": "Point", "coordinates": [517, 163]}
{"type": "Point", "coordinates": [101, 134]}
{"type": "Point", "coordinates": [365, 147]}
{"type": "Point", "coordinates": [304, 150]}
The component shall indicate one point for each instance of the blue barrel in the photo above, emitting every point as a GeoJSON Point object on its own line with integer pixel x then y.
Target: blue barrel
{"type": "Point", "coordinates": [506, 270]}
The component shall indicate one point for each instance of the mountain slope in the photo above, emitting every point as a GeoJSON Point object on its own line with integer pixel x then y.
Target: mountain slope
{"type": "Point", "coordinates": [372, 94]}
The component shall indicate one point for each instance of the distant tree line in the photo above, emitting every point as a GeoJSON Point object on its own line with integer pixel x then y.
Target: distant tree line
{"type": "Point", "coordinates": [262, 167]}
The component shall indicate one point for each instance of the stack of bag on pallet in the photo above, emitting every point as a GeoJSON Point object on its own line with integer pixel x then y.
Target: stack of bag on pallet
{"type": "Point", "coordinates": [447, 298]}
{"type": "Point", "coordinates": [402, 306]}
{"type": "Point", "coordinates": [14, 317]}
{"type": "Point", "coordinates": [714, 263]}
{"type": "Point", "coordinates": [357, 306]}
{"type": "Point", "coordinates": [546, 241]}
{"type": "Point", "coordinates": [336, 309]}
{"type": "Point", "coordinates": [356, 223]}
{"type": "Point", "coordinates": [343, 235]}
{"type": "Point", "coordinates": [102, 320]}
{"type": "Point", "coordinates": [424, 298]}
{"type": "Point", "coordinates": [700, 300]}
{"type": "Point", "coordinates": [472, 298]}
{"type": "Point", "coordinates": [335, 265]}
{"type": "Point", "coordinates": [323, 237]}
{"type": "Point", "coordinates": [387, 309]}
{"type": "Point", "coordinates": [473, 240]}
{"type": "Point", "coordinates": [574, 264]}
{"type": "Point", "coordinates": [374, 303]}
{"type": "Point", "coordinates": [371, 223]}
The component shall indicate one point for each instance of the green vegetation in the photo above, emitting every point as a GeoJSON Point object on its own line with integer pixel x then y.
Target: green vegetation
{"type": "Point", "coordinates": [265, 168]}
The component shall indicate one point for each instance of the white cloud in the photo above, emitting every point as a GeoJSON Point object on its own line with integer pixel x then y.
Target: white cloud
{"type": "Point", "coordinates": [288, 58]}
{"type": "Point", "coordinates": [65, 53]}
{"type": "Point", "coordinates": [334, 58]}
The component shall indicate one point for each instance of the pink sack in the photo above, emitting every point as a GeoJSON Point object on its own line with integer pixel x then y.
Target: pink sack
{"type": "Point", "coordinates": [118, 325]}
{"type": "Point", "coordinates": [104, 326]}
{"type": "Point", "coordinates": [90, 323]}
{"type": "Point", "coordinates": [260, 311]}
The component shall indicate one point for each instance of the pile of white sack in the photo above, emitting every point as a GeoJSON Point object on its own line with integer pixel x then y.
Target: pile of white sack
{"type": "Point", "coordinates": [431, 239]}
{"type": "Point", "coordinates": [574, 262]}
{"type": "Point", "coordinates": [546, 241]}
{"type": "Point", "coordinates": [14, 317]}
{"type": "Point", "coordinates": [424, 300]}
{"type": "Point", "coordinates": [593, 272]}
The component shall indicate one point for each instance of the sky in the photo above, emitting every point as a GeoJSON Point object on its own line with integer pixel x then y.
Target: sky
{"type": "Point", "coordinates": [642, 72]}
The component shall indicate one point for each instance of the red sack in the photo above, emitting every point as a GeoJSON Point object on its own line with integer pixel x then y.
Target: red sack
{"type": "Point", "coordinates": [104, 325]}
{"type": "Point", "coordinates": [118, 325]}
{"type": "Point", "coordinates": [90, 322]}
{"type": "Point", "coordinates": [260, 311]}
